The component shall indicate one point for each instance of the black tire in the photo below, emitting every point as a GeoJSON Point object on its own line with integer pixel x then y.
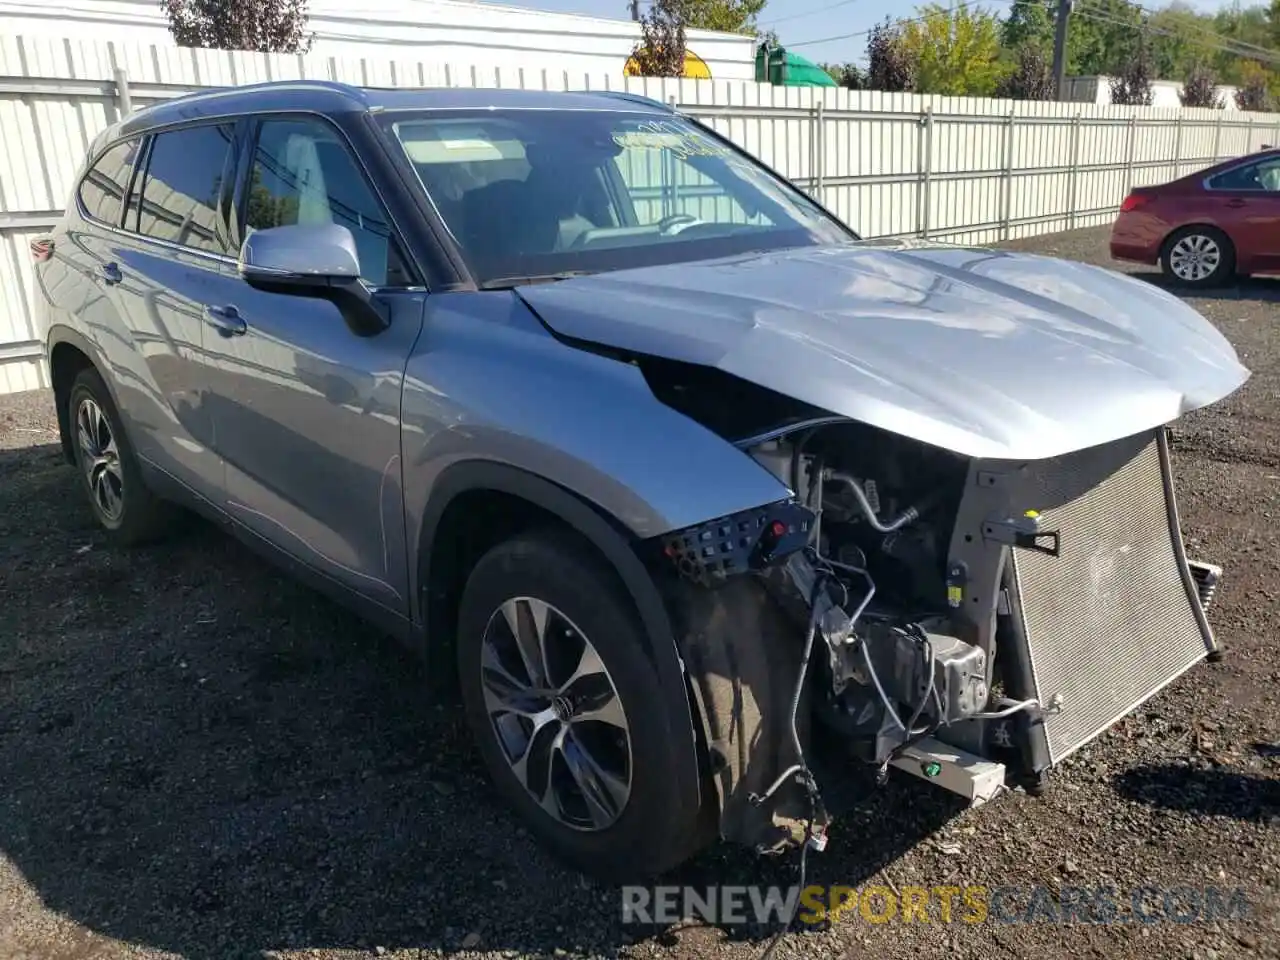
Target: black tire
{"type": "Point", "coordinates": [1213, 259]}
{"type": "Point", "coordinates": [651, 833]}
{"type": "Point", "coordinates": [140, 516]}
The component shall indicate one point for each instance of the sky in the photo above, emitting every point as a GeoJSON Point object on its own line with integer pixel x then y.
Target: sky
{"type": "Point", "coordinates": [799, 21]}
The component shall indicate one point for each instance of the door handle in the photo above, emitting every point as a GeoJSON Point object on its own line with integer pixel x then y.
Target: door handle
{"type": "Point", "coordinates": [110, 273]}
{"type": "Point", "coordinates": [1236, 203]}
{"type": "Point", "coordinates": [226, 320]}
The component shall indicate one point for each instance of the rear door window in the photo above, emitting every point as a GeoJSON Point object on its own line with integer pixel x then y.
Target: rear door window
{"type": "Point", "coordinates": [187, 170]}
{"type": "Point", "coordinates": [103, 188]}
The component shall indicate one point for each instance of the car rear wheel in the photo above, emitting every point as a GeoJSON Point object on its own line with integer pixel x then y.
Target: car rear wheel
{"type": "Point", "coordinates": [120, 502]}
{"type": "Point", "coordinates": [567, 709]}
{"type": "Point", "coordinates": [1198, 256]}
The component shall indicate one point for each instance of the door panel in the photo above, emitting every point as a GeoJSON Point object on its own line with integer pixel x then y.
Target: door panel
{"type": "Point", "coordinates": [160, 268]}
{"type": "Point", "coordinates": [1246, 202]}
{"type": "Point", "coordinates": [163, 291]}
{"type": "Point", "coordinates": [307, 422]}
{"type": "Point", "coordinates": [306, 413]}
{"type": "Point", "coordinates": [1256, 229]}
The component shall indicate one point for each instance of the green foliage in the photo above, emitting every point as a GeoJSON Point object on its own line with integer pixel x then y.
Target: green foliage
{"type": "Point", "coordinates": [890, 66]}
{"type": "Point", "coordinates": [1104, 43]}
{"type": "Point", "coordinates": [660, 50]}
{"type": "Point", "coordinates": [729, 16]}
{"type": "Point", "coordinates": [264, 209]}
{"type": "Point", "coordinates": [1131, 85]}
{"type": "Point", "coordinates": [1254, 92]}
{"type": "Point", "coordinates": [1200, 89]}
{"type": "Point", "coordinates": [1031, 77]}
{"type": "Point", "coordinates": [848, 75]}
{"type": "Point", "coordinates": [955, 51]}
{"type": "Point", "coordinates": [965, 50]}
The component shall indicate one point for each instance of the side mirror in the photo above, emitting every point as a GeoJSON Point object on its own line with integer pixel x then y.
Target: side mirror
{"type": "Point", "coordinates": [313, 260]}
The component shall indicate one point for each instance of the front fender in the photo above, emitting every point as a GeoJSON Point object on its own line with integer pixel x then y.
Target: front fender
{"type": "Point", "coordinates": [492, 401]}
{"type": "Point", "coordinates": [487, 382]}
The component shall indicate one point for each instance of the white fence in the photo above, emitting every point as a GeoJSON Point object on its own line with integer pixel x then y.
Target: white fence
{"type": "Point", "coordinates": [954, 168]}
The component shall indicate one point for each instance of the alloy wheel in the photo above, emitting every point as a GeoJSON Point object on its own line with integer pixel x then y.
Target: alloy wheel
{"type": "Point", "coordinates": [100, 459]}
{"type": "Point", "coordinates": [1195, 257]}
{"type": "Point", "coordinates": [556, 713]}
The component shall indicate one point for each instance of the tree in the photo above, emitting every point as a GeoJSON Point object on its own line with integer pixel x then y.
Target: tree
{"type": "Point", "coordinates": [1131, 86]}
{"type": "Point", "coordinates": [848, 75]}
{"type": "Point", "coordinates": [1029, 23]}
{"type": "Point", "coordinates": [1031, 77]}
{"type": "Point", "coordinates": [1253, 93]}
{"type": "Point", "coordinates": [266, 26]}
{"type": "Point", "coordinates": [1180, 40]}
{"type": "Point", "coordinates": [1200, 89]}
{"type": "Point", "coordinates": [889, 64]}
{"type": "Point", "coordinates": [660, 50]}
{"type": "Point", "coordinates": [1096, 45]}
{"type": "Point", "coordinates": [1252, 25]}
{"type": "Point", "coordinates": [727, 16]}
{"type": "Point", "coordinates": [956, 51]}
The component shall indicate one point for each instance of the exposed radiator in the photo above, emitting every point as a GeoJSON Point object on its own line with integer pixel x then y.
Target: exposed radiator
{"type": "Point", "coordinates": [1115, 616]}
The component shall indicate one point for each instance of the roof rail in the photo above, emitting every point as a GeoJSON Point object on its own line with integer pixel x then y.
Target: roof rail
{"type": "Point", "coordinates": [348, 90]}
{"type": "Point", "coordinates": [631, 97]}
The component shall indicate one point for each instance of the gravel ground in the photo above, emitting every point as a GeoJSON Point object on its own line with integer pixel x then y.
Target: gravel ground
{"type": "Point", "coordinates": [200, 758]}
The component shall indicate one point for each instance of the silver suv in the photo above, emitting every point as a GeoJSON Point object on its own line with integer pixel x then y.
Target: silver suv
{"type": "Point", "coordinates": [626, 433]}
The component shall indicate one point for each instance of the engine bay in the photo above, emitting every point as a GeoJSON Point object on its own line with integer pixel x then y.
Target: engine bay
{"type": "Point", "coordinates": [874, 576]}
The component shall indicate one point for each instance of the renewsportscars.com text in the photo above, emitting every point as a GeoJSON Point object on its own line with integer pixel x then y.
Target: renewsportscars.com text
{"type": "Point", "coordinates": [815, 904]}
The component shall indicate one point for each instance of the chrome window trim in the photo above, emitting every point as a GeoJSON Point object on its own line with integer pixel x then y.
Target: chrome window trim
{"type": "Point", "coordinates": [170, 245]}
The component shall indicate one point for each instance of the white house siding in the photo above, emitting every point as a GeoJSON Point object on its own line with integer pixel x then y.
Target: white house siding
{"type": "Point", "coordinates": [477, 34]}
{"type": "Point", "coordinates": [1164, 93]}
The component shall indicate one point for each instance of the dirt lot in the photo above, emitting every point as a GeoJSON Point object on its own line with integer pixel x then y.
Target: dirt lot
{"type": "Point", "coordinates": [200, 758]}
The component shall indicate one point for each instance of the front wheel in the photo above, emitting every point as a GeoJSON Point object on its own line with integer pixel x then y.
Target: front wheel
{"type": "Point", "coordinates": [566, 709]}
{"type": "Point", "coordinates": [1198, 257]}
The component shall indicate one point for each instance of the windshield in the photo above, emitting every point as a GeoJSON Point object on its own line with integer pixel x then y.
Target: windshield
{"type": "Point", "coordinates": [541, 193]}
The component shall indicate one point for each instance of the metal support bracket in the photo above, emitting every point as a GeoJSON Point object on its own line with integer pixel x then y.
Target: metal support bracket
{"type": "Point", "coordinates": [1022, 532]}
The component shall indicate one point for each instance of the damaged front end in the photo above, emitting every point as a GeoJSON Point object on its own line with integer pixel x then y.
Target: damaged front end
{"type": "Point", "coordinates": [981, 539]}
{"type": "Point", "coordinates": [970, 621]}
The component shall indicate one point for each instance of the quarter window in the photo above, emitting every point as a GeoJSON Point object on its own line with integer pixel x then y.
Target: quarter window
{"type": "Point", "coordinates": [103, 188]}
{"type": "Point", "coordinates": [180, 197]}
{"type": "Point", "coordinates": [302, 173]}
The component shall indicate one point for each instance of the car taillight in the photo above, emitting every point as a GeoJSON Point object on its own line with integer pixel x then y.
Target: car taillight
{"type": "Point", "coordinates": [41, 249]}
{"type": "Point", "coordinates": [1133, 201]}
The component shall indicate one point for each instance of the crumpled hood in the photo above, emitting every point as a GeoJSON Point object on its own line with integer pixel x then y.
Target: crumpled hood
{"type": "Point", "coordinates": [987, 353]}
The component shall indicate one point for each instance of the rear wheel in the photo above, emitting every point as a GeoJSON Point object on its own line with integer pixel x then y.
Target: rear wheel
{"type": "Point", "coordinates": [567, 709]}
{"type": "Point", "coordinates": [1198, 256]}
{"type": "Point", "coordinates": [108, 468]}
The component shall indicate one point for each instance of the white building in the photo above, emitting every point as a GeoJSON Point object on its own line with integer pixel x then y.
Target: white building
{"type": "Point", "coordinates": [1164, 93]}
{"type": "Point", "coordinates": [457, 32]}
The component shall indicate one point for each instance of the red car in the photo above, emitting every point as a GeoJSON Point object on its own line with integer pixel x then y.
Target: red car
{"type": "Point", "coordinates": [1209, 226]}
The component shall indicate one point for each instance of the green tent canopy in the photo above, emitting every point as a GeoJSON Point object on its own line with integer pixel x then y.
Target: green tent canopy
{"type": "Point", "coordinates": [779, 66]}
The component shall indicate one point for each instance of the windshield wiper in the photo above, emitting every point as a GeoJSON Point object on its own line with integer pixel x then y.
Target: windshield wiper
{"type": "Point", "coordinates": [506, 283]}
